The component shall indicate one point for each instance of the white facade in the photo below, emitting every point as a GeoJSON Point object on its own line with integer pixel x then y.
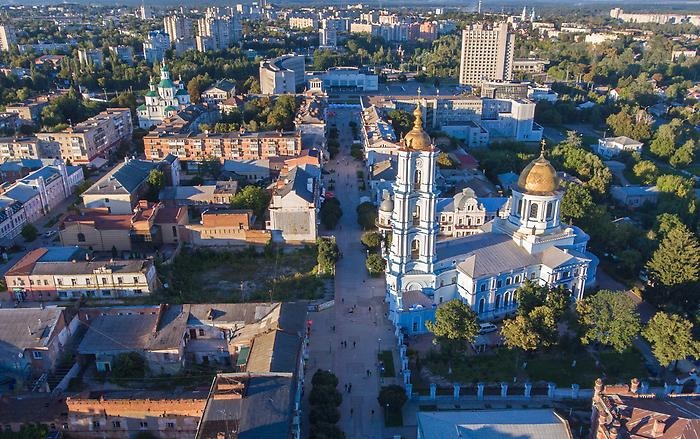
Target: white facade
{"type": "Point", "coordinates": [612, 146]}
{"type": "Point", "coordinates": [342, 78]}
{"type": "Point", "coordinates": [282, 75]}
{"type": "Point", "coordinates": [163, 100]}
{"type": "Point", "coordinates": [154, 47]}
{"type": "Point", "coordinates": [482, 270]}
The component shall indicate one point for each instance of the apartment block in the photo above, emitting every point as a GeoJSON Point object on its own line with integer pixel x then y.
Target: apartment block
{"type": "Point", "coordinates": [223, 146]}
{"type": "Point", "coordinates": [17, 148]}
{"type": "Point", "coordinates": [91, 142]}
{"type": "Point", "coordinates": [93, 57]}
{"type": "Point", "coordinates": [58, 273]}
{"type": "Point", "coordinates": [178, 27]}
{"type": "Point", "coordinates": [8, 39]}
{"type": "Point", "coordinates": [487, 54]}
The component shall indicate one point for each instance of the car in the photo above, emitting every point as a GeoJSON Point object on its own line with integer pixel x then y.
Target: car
{"type": "Point", "coordinates": [49, 233]}
{"type": "Point", "coordinates": [485, 328]}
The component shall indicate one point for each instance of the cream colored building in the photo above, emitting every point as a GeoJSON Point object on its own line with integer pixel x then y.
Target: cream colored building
{"type": "Point", "coordinates": [487, 54]}
{"type": "Point", "coordinates": [8, 38]}
{"type": "Point", "coordinates": [281, 75]}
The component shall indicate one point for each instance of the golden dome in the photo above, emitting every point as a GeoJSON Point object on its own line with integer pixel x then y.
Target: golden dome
{"type": "Point", "coordinates": [417, 138]}
{"type": "Point", "coordinates": [539, 177]}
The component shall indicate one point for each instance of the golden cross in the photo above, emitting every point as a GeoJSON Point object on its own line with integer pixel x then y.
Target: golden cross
{"type": "Point", "coordinates": [543, 146]}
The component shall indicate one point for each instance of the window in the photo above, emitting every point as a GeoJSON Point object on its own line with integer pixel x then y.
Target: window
{"type": "Point", "coordinates": [104, 281]}
{"type": "Point", "coordinates": [136, 279]}
{"type": "Point", "coordinates": [415, 249]}
{"type": "Point", "coordinates": [416, 177]}
{"type": "Point", "coordinates": [37, 355]}
{"type": "Point", "coordinates": [482, 302]}
{"type": "Point", "coordinates": [120, 280]}
{"type": "Point", "coordinates": [533, 211]}
{"type": "Point", "coordinates": [508, 281]}
{"type": "Point", "coordinates": [116, 424]}
{"type": "Point", "coordinates": [46, 282]}
{"type": "Point", "coordinates": [517, 279]}
{"type": "Point", "coordinates": [87, 281]}
{"type": "Point", "coordinates": [143, 424]}
{"type": "Point", "coordinates": [171, 425]}
{"type": "Point", "coordinates": [81, 237]}
{"type": "Point", "coordinates": [550, 210]}
{"type": "Point", "coordinates": [483, 287]}
{"type": "Point", "coordinates": [416, 215]}
{"type": "Point", "coordinates": [499, 283]}
{"type": "Point", "coordinates": [201, 331]}
{"type": "Point", "coordinates": [498, 301]}
{"type": "Point", "coordinates": [96, 424]}
{"type": "Point", "coordinates": [520, 207]}
{"type": "Point", "coordinates": [74, 281]}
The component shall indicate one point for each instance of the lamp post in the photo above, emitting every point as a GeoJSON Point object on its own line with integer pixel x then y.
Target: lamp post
{"type": "Point", "coordinates": [379, 346]}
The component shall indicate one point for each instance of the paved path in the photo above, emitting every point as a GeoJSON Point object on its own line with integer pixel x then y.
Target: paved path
{"type": "Point", "coordinates": [365, 325]}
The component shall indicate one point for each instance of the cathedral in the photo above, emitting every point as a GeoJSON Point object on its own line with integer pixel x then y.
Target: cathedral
{"type": "Point", "coordinates": [164, 99]}
{"type": "Point", "coordinates": [527, 242]}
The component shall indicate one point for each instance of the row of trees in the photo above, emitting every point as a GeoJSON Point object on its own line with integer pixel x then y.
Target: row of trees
{"type": "Point", "coordinates": [607, 318]}
{"type": "Point", "coordinates": [325, 400]}
{"type": "Point", "coordinates": [259, 114]}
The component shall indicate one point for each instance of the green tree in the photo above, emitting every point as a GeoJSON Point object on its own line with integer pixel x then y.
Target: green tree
{"type": "Point", "coordinates": [455, 325]}
{"type": "Point", "coordinates": [401, 121]}
{"type": "Point", "coordinates": [610, 318]}
{"type": "Point", "coordinates": [520, 332]}
{"type": "Point", "coordinates": [393, 396]}
{"type": "Point", "coordinates": [128, 366]}
{"type": "Point", "coordinates": [375, 264]}
{"type": "Point", "coordinates": [683, 155]}
{"type": "Point", "coordinates": [252, 197]}
{"type": "Point", "coordinates": [155, 180]}
{"type": "Point", "coordinates": [330, 213]}
{"type": "Point", "coordinates": [671, 338]}
{"type": "Point", "coordinates": [367, 215]}
{"type": "Point", "coordinates": [445, 161]}
{"type": "Point", "coordinates": [646, 171]}
{"type": "Point", "coordinates": [677, 260]}
{"type": "Point", "coordinates": [576, 203]}
{"type": "Point", "coordinates": [630, 123]}
{"type": "Point", "coordinates": [29, 232]}
{"type": "Point", "coordinates": [532, 295]}
{"type": "Point", "coordinates": [328, 254]}
{"type": "Point", "coordinates": [664, 143]}
{"type": "Point", "coordinates": [372, 240]}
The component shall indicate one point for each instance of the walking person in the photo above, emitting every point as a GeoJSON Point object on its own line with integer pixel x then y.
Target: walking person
{"type": "Point", "coordinates": [353, 345]}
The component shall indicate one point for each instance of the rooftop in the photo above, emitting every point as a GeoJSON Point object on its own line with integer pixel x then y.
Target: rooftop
{"type": "Point", "coordinates": [25, 328]}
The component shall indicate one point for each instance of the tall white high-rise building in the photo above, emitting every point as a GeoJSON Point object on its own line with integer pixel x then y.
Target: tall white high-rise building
{"type": "Point", "coordinates": [7, 37]}
{"type": "Point", "coordinates": [145, 12]}
{"type": "Point", "coordinates": [215, 32]}
{"type": "Point", "coordinates": [487, 54]}
{"type": "Point", "coordinates": [327, 35]}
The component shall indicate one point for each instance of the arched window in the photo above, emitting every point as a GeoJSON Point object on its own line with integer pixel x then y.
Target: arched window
{"type": "Point", "coordinates": [508, 281]}
{"type": "Point", "coordinates": [483, 287]}
{"type": "Point", "coordinates": [520, 207]}
{"type": "Point", "coordinates": [506, 299]}
{"type": "Point", "coordinates": [416, 215]}
{"type": "Point", "coordinates": [81, 237]}
{"type": "Point", "coordinates": [517, 279]}
{"type": "Point", "coordinates": [550, 211]}
{"type": "Point", "coordinates": [481, 305]}
{"type": "Point", "coordinates": [498, 301]}
{"type": "Point", "coordinates": [415, 249]}
{"type": "Point", "coordinates": [416, 177]}
{"type": "Point", "coordinates": [533, 210]}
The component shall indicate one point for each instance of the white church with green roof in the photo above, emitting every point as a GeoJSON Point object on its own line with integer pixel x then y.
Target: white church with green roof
{"type": "Point", "coordinates": [164, 100]}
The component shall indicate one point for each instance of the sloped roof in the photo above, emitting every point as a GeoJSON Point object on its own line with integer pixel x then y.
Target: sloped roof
{"type": "Point", "coordinates": [124, 178]}
{"type": "Point", "coordinates": [21, 192]}
{"type": "Point", "coordinates": [297, 180]}
{"type": "Point", "coordinates": [25, 328]}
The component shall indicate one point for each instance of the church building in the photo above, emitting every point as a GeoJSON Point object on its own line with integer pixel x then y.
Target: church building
{"type": "Point", "coordinates": [164, 100]}
{"type": "Point", "coordinates": [527, 241]}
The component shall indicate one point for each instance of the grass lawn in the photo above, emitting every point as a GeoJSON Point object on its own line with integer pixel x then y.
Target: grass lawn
{"type": "Point", "coordinates": [393, 418]}
{"type": "Point", "coordinates": [203, 276]}
{"type": "Point", "coordinates": [388, 358]}
{"type": "Point", "coordinates": [624, 366]}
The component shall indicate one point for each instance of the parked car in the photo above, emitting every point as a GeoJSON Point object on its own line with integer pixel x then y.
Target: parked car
{"type": "Point", "coordinates": [49, 233]}
{"type": "Point", "coordinates": [485, 328]}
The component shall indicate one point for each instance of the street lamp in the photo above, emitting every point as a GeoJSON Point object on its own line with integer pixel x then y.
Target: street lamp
{"type": "Point", "coordinates": [379, 346]}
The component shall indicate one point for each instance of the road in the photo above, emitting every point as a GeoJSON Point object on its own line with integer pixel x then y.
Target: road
{"type": "Point", "coordinates": [358, 315]}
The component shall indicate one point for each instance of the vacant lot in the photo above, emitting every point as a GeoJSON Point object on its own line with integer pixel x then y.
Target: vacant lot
{"type": "Point", "coordinates": [242, 276]}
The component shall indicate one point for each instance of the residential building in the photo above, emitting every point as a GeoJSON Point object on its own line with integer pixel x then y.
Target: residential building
{"type": "Point", "coordinates": [12, 170]}
{"type": "Point", "coordinates": [145, 12]}
{"type": "Point", "coordinates": [247, 171]}
{"type": "Point", "coordinates": [327, 35]}
{"type": "Point", "coordinates": [91, 57]}
{"type": "Point", "coordinates": [248, 394]}
{"type": "Point", "coordinates": [658, 18]}
{"type": "Point", "coordinates": [310, 120]}
{"type": "Point", "coordinates": [484, 269]}
{"type": "Point", "coordinates": [119, 190]}
{"type": "Point", "coordinates": [217, 33]}
{"type": "Point", "coordinates": [378, 135]}
{"type": "Point", "coordinates": [219, 194]}
{"type": "Point", "coordinates": [635, 196]}
{"type": "Point", "coordinates": [154, 47]}
{"type": "Point", "coordinates": [151, 225]}
{"type": "Point", "coordinates": [219, 92]}
{"type": "Point", "coordinates": [630, 411]}
{"type": "Point", "coordinates": [294, 208]}
{"type": "Point", "coordinates": [29, 110]}
{"type": "Point", "coordinates": [8, 38]}
{"type": "Point", "coordinates": [23, 148]}
{"type": "Point", "coordinates": [542, 93]}
{"type": "Point", "coordinates": [303, 21]}
{"type": "Point", "coordinates": [32, 340]}
{"type": "Point", "coordinates": [168, 414]}
{"type": "Point", "coordinates": [55, 274]}
{"type": "Point", "coordinates": [520, 423]}
{"type": "Point", "coordinates": [225, 227]}
{"type": "Point", "coordinates": [91, 142]}
{"type": "Point", "coordinates": [41, 191]}
{"type": "Point", "coordinates": [342, 78]}
{"type": "Point", "coordinates": [685, 53]}
{"type": "Point", "coordinates": [487, 54]}
{"type": "Point", "coordinates": [164, 100]}
{"type": "Point", "coordinates": [600, 38]}
{"type": "Point", "coordinates": [178, 28]}
{"type": "Point", "coordinates": [284, 74]}
{"type": "Point", "coordinates": [124, 54]}
{"type": "Point", "coordinates": [224, 146]}
{"type": "Point", "coordinates": [609, 147]}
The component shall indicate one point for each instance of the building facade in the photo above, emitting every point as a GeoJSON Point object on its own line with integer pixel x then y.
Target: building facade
{"type": "Point", "coordinates": [484, 269]}
{"type": "Point", "coordinates": [164, 100]}
{"type": "Point", "coordinates": [281, 75]}
{"type": "Point", "coordinates": [8, 38]}
{"type": "Point", "coordinates": [487, 55]}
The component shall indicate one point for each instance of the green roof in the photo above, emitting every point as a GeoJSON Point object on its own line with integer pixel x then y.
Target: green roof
{"type": "Point", "coordinates": [141, 107]}
{"type": "Point", "coordinates": [170, 108]}
{"type": "Point", "coordinates": [182, 91]}
{"type": "Point", "coordinates": [166, 83]}
{"type": "Point", "coordinates": [152, 93]}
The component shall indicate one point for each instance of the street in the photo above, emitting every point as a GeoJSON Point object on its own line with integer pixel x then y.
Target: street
{"type": "Point", "coordinates": [358, 315]}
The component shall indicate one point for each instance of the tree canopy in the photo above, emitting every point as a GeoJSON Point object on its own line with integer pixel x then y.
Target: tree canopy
{"type": "Point", "coordinates": [671, 338]}
{"type": "Point", "coordinates": [455, 325]}
{"type": "Point", "coordinates": [610, 318]}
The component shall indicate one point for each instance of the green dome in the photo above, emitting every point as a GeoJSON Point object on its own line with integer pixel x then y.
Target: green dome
{"type": "Point", "coordinates": [141, 107]}
{"type": "Point", "coordinates": [152, 94]}
{"type": "Point", "coordinates": [170, 108]}
{"type": "Point", "coordinates": [181, 92]}
{"type": "Point", "coordinates": [166, 83]}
